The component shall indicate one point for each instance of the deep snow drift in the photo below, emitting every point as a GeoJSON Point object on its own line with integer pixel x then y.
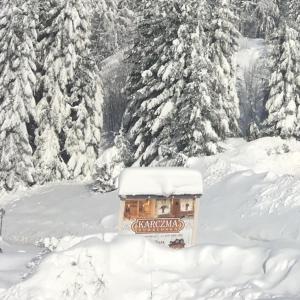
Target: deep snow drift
{"type": "Point", "coordinates": [249, 236]}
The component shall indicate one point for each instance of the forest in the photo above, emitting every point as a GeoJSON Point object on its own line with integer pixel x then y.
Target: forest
{"type": "Point", "coordinates": [89, 87]}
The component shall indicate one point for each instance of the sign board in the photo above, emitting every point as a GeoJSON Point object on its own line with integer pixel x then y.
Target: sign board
{"type": "Point", "coordinates": [168, 221]}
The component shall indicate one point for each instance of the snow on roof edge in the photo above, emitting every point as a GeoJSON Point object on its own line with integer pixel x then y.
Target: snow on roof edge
{"type": "Point", "coordinates": [160, 181]}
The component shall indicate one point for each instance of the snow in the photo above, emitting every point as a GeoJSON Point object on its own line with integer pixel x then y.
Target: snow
{"type": "Point", "coordinates": [160, 182]}
{"type": "Point", "coordinates": [15, 262]}
{"type": "Point", "coordinates": [249, 237]}
{"type": "Point", "coordinates": [58, 210]}
{"type": "Point", "coordinates": [250, 51]}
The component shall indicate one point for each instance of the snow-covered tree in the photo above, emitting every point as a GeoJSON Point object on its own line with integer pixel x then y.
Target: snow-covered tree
{"type": "Point", "coordinates": [175, 108]}
{"type": "Point", "coordinates": [267, 15]}
{"type": "Point", "coordinates": [258, 18]}
{"type": "Point", "coordinates": [110, 164]}
{"type": "Point", "coordinates": [69, 108]}
{"type": "Point", "coordinates": [85, 121]}
{"type": "Point", "coordinates": [111, 27]}
{"type": "Point", "coordinates": [253, 132]}
{"type": "Point", "coordinates": [284, 86]}
{"type": "Point", "coordinates": [293, 14]}
{"type": "Point", "coordinates": [17, 82]}
{"type": "Point", "coordinates": [224, 44]}
{"type": "Point", "coordinates": [155, 81]}
{"type": "Point", "coordinates": [57, 72]}
{"type": "Point", "coordinates": [196, 128]}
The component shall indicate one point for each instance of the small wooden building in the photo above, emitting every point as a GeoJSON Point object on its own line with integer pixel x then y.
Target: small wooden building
{"type": "Point", "coordinates": [161, 203]}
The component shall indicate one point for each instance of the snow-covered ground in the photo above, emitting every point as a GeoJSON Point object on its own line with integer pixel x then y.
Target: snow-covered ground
{"type": "Point", "coordinates": [249, 237]}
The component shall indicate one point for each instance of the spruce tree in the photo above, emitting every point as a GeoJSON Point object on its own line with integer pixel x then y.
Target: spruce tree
{"type": "Point", "coordinates": [196, 129]}
{"type": "Point", "coordinates": [69, 108]}
{"type": "Point", "coordinates": [17, 81]}
{"type": "Point", "coordinates": [258, 18]}
{"type": "Point", "coordinates": [85, 122]}
{"type": "Point", "coordinates": [174, 111]}
{"type": "Point", "coordinates": [267, 14]}
{"type": "Point", "coordinates": [111, 28]}
{"type": "Point", "coordinates": [56, 58]}
{"type": "Point", "coordinates": [224, 45]}
{"type": "Point", "coordinates": [284, 86]}
{"type": "Point", "coordinates": [155, 81]}
{"type": "Point", "coordinates": [293, 14]}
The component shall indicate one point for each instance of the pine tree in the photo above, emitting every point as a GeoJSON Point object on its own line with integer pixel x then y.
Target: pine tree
{"type": "Point", "coordinates": [196, 129]}
{"type": "Point", "coordinates": [17, 81]}
{"type": "Point", "coordinates": [293, 14]}
{"type": "Point", "coordinates": [284, 86]}
{"type": "Point", "coordinates": [56, 56]}
{"type": "Point", "coordinates": [258, 18]}
{"type": "Point", "coordinates": [267, 15]}
{"type": "Point", "coordinates": [69, 111]}
{"type": "Point", "coordinates": [111, 28]}
{"type": "Point", "coordinates": [173, 112]}
{"type": "Point", "coordinates": [85, 122]}
{"type": "Point", "coordinates": [155, 81]}
{"type": "Point", "coordinates": [224, 44]}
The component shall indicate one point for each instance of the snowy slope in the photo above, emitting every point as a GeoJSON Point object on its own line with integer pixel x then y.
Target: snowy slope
{"type": "Point", "coordinates": [249, 236]}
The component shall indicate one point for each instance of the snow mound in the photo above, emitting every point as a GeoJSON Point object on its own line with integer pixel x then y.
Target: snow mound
{"type": "Point", "coordinates": [249, 236]}
{"type": "Point", "coordinates": [160, 181]}
{"type": "Point", "coordinates": [94, 269]}
{"type": "Point", "coordinates": [15, 262]}
{"type": "Point", "coordinates": [270, 154]}
{"type": "Point", "coordinates": [279, 195]}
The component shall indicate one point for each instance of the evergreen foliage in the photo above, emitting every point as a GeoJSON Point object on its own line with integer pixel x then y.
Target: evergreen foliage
{"type": "Point", "coordinates": [69, 111]}
{"type": "Point", "coordinates": [258, 18]}
{"type": "Point", "coordinates": [224, 45]}
{"type": "Point", "coordinates": [154, 82]}
{"type": "Point", "coordinates": [181, 89]}
{"type": "Point", "coordinates": [112, 28]}
{"type": "Point", "coordinates": [17, 82]}
{"type": "Point", "coordinates": [175, 110]}
{"type": "Point", "coordinates": [110, 164]}
{"type": "Point", "coordinates": [85, 100]}
{"type": "Point", "coordinates": [284, 85]}
{"type": "Point", "coordinates": [267, 15]}
{"type": "Point", "coordinates": [293, 14]}
{"type": "Point", "coordinates": [196, 129]}
{"type": "Point", "coordinates": [85, 123]}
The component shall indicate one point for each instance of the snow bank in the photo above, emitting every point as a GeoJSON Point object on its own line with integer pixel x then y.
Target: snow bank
{"type": "Point", "coordinates": [248, 247]}
{"type": "Point", "coordinates": [96, 270]}
{"type": "Point", "coordinates": [15, 262]}
{"type": "Point", "coordinates": [160, 181]}
{"type": "Point", "coordinates": [270, 154]}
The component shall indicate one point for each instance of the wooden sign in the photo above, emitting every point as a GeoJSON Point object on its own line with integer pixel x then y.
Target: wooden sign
{"type": "Point", "coordinates": [162, 225]}
{"type": "Point", "coordinates": [170, 221]}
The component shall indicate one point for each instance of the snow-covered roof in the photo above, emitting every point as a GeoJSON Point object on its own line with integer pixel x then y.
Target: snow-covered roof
{"type": "Point", "coordinates": [160, 182]}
